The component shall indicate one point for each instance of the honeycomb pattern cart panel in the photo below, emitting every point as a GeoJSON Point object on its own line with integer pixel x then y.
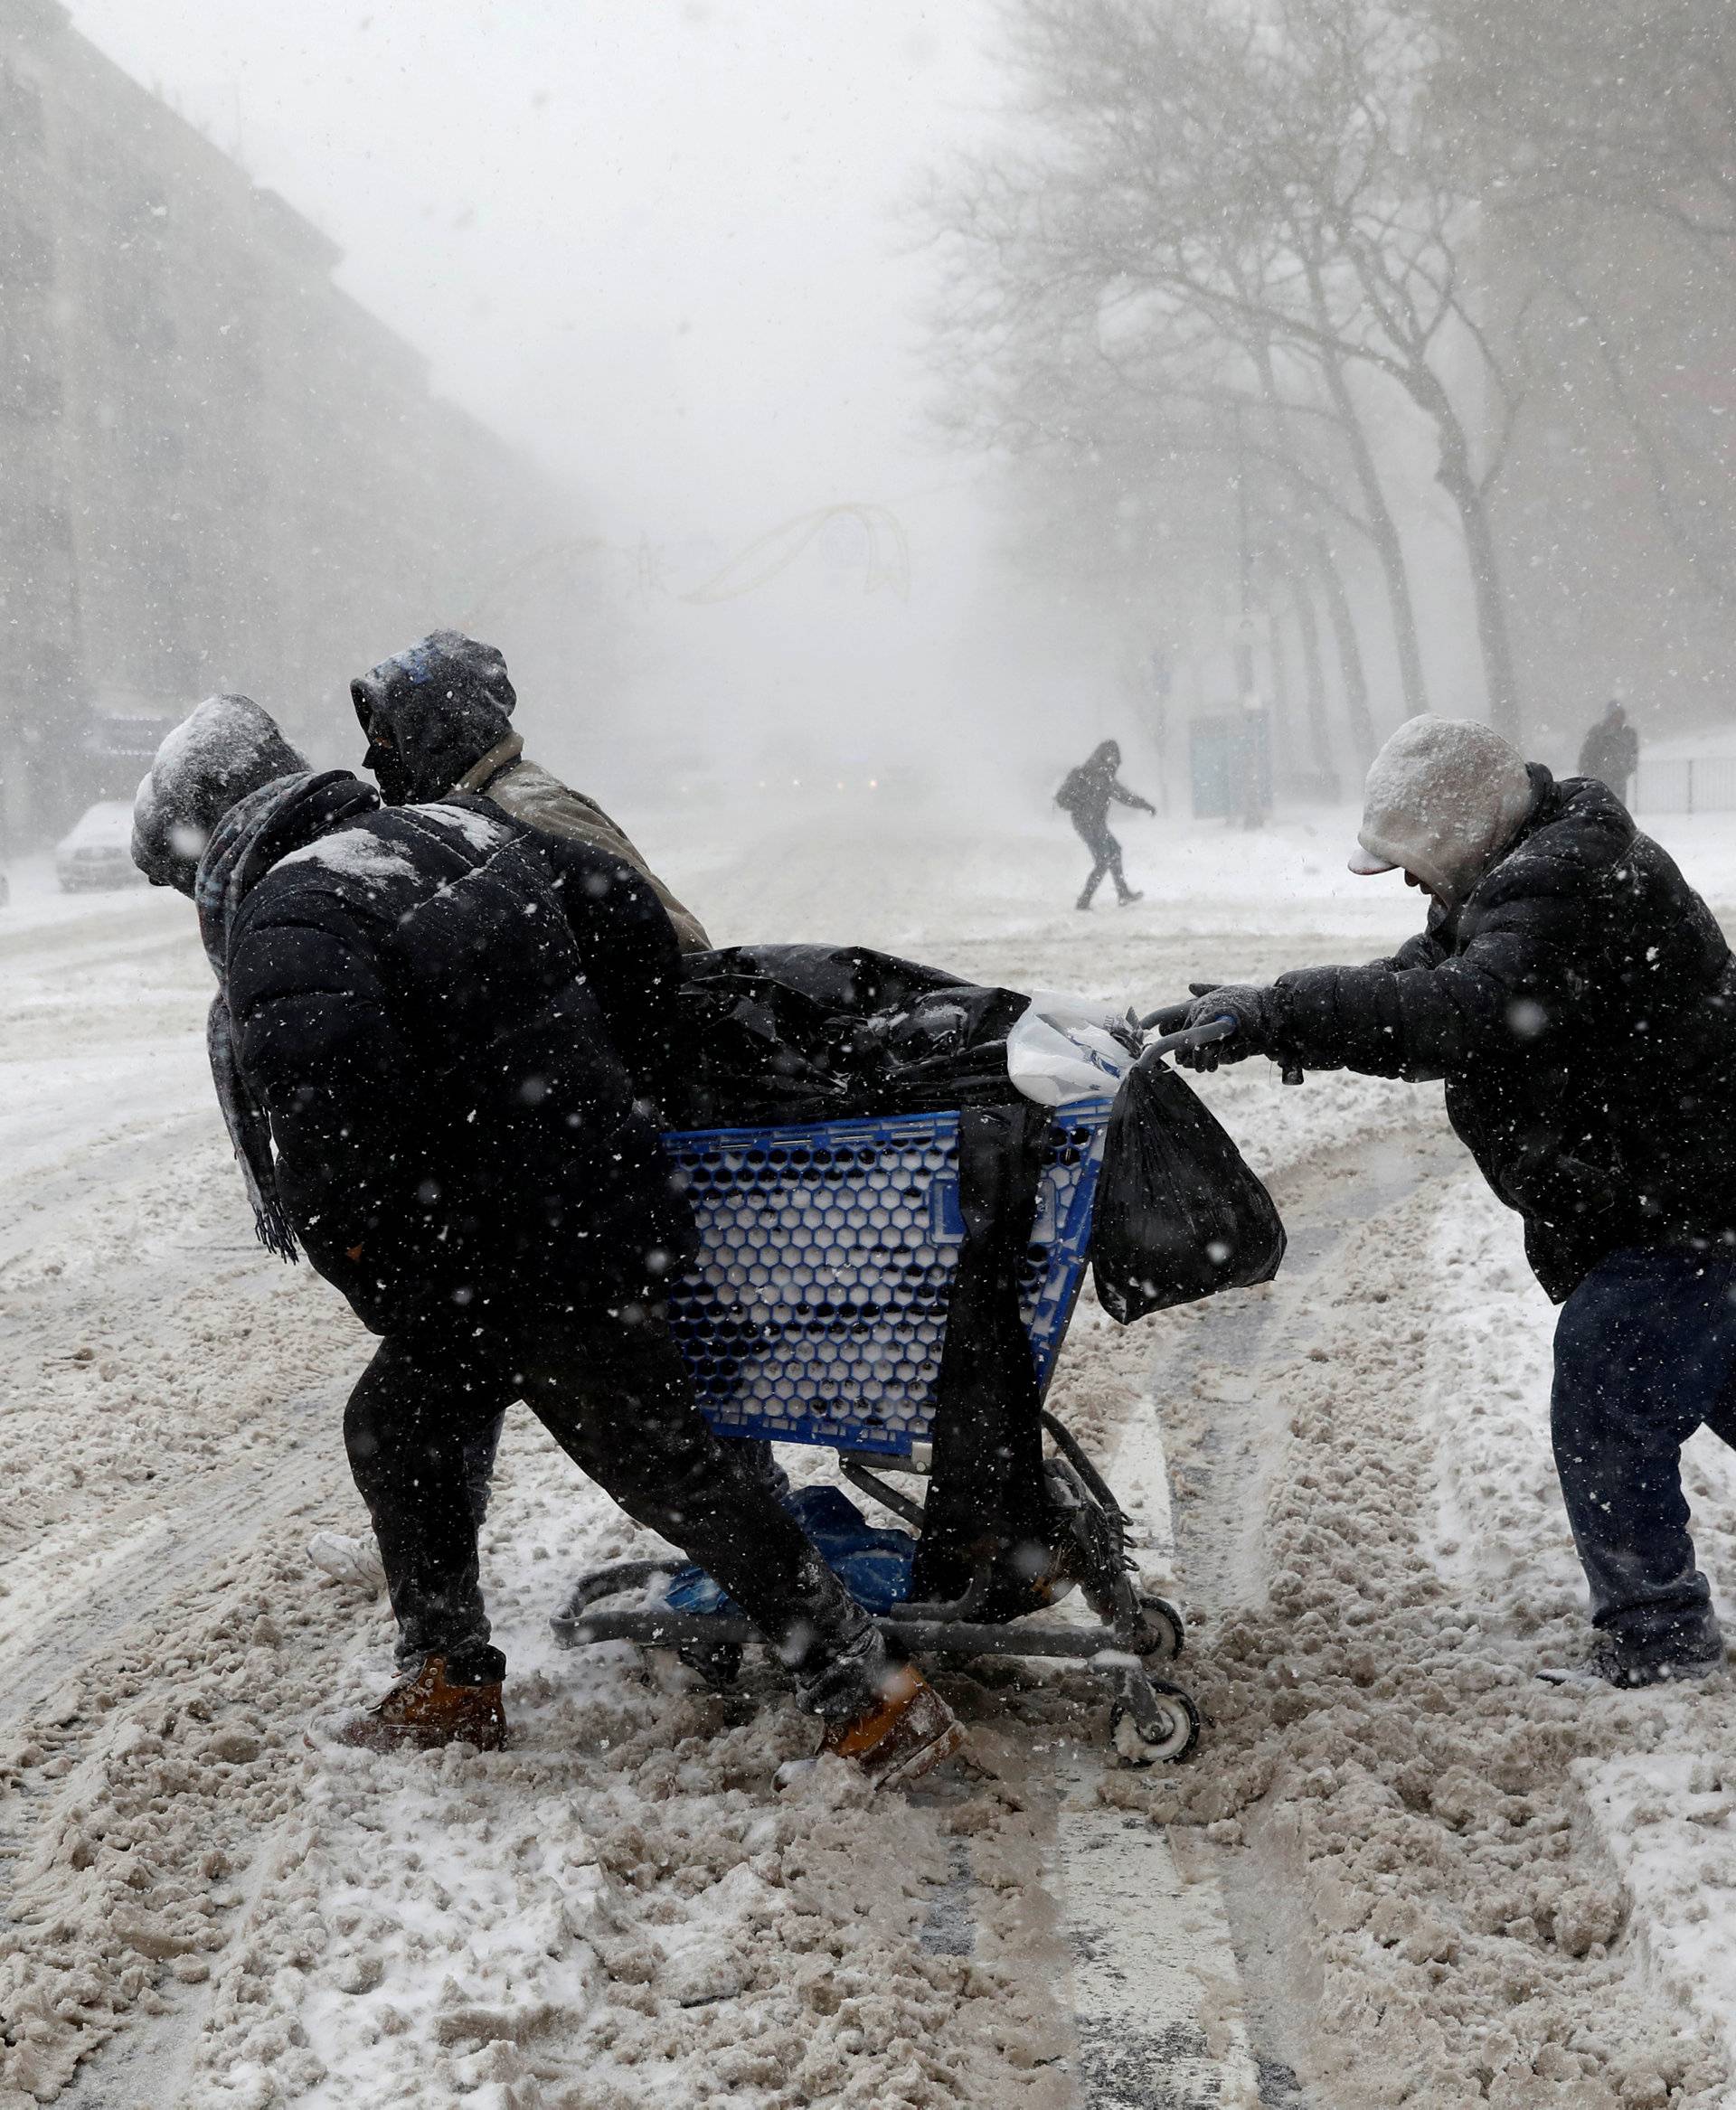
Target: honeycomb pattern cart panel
{"type": "Point", "coordinates": [817, 1308]}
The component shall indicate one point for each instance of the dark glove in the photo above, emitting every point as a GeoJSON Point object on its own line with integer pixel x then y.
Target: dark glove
{"type": "Point", "coordinates": [1232, 1000]}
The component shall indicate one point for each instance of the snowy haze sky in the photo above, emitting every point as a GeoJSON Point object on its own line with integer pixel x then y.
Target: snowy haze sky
{"type": "Point", "coordinates": [660, 243]}
{"type": "Point", "coordinates": [670, 249]}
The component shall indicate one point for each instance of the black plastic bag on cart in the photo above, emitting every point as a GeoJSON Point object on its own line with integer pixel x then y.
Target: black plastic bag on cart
{"type": "Point", "coordinates": [1179, 1213]}
{"type": "Point", "coordinates": [987, 1518]}
{"type": "Point", "coordinates": [815, 1032]}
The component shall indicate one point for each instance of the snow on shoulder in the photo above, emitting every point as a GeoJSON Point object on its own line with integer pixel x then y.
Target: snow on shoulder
{"type": "Point", "coordinates": [478, 830]}
{"type": "Point", "coordinates": [356, 852]}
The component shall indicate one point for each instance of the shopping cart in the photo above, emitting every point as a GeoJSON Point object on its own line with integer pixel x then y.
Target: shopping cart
{"type": "Point", "coordinates": [816, 1314]}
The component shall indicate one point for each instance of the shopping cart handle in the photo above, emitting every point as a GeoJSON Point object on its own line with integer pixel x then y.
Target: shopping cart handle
{"type": "Point", "coordinates": [1168, 1017]}
{"type": "Point", "coordinates": [1216, 1029]}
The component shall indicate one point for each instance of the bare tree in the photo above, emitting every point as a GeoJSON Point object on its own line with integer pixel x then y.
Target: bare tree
{"type": "Point", "coordinates": [1627, 106]}
{"type": "Point", "coordinates": [1231, 173]}
{"type": "Point", "coordinates": [1604, 136]}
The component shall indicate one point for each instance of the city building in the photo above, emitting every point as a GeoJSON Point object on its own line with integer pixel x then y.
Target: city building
{"type": "Point", "coordinates": [217, 469]}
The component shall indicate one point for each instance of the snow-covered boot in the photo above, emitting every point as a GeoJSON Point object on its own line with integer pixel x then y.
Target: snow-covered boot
{"type": "Point", "coordinates": [1128, 896]}
{"type": "Point", "coordinates": [355, 1561]}
{"type": "Point", "coordinates": [424, 1711]}
{"type": "Point", "coordinates": [908, 1731]}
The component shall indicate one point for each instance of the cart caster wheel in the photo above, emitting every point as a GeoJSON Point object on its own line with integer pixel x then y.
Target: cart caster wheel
{"type": "Point", "coordinates": [1160, 1612]}
{"type": "Point", "coordinates": [719, 1663]}
{"type": "Point", "coordinates": [1179, 1733]}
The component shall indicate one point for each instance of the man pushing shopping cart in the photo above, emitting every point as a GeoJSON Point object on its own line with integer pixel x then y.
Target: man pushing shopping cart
{"type": "Point", "coordinates": [1579, 999]}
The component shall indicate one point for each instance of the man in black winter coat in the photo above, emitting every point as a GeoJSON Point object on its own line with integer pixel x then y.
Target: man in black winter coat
{"type": "Point", "coordinates": [438, 1043]}
{"type": "Point", "coordinates": [1085, 796]}
{"type": "Point", "coordinates": [1579, 999]}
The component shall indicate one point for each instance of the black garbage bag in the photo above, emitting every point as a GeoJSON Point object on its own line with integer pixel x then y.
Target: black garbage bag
{"type": "Point", "coordinates": [1179, 1214]}
{"type": "Point", "coordinates": [815, 1032]}
{"type": "Point", "coordinates": [988, 1517]}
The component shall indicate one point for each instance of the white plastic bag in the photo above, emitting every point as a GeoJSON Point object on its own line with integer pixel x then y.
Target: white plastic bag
{"type": "Point", "coordinates": [1063, 1048]}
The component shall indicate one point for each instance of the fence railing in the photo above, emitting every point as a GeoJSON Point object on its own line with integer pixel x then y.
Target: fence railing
{"type": "Point", "coordinates": [1704, 784]}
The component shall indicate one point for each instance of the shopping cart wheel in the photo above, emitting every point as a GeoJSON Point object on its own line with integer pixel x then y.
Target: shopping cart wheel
{"type": "Point", "coordinates": [1156, 1730]}
{"type": "Point", "coordinates": [1159, 1612]}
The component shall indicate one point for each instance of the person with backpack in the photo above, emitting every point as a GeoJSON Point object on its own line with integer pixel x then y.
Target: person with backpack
{"type": "Point", "coordinates": [438, 1043]}
{"type": "Point", "coordinates": [1085, 798]}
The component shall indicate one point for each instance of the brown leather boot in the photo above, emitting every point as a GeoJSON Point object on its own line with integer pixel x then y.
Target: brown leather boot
{"type": "Point", "coordinates": [424, 1712]}
{"type": "Point", "coordinates": [908, 1731]}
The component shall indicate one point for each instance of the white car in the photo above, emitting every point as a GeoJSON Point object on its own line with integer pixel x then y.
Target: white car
{"type": "Point", "coordinates": [97, 851]}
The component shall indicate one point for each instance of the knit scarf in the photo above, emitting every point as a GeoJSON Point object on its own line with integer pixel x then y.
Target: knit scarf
{"type": "Point", "coordinates": [253, 835]}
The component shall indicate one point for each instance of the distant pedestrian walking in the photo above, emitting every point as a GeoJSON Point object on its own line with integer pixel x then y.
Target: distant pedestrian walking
{"type": "Point", "coordinates": [1610, 751]}
{"type": "Point", "coordinates": [1085, 798]}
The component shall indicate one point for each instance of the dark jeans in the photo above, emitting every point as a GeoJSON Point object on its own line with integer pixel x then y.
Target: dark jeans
{"type": "Point", "coordinates": [1094, 832]}
{"type": "Point", "coordinates": [615, 1395]}
{"type": "Point", "coordinates": [1645, 1354]}
{"type": "Point", "coordinates": [480, 1451]}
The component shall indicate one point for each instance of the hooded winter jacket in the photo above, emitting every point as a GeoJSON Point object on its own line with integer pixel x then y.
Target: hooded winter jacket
{"type": "Point", "coordinates": [1445, 797]}
{"type": "Point", "coordinates": [437, 719]}
{"type": "Point", "coordinates": [1087, 791]}
{"type": "Point", "coordinates": [453, 1029]}
{"type": "Point", "coordinates": [1580, 1005]}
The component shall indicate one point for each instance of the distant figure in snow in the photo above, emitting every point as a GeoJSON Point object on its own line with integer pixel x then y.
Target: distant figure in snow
{"type": "Point", "coordinates": [1085, 796]}
{"type": "Point", "coordinates": [437, 717]}
{"type": "Point", "coordinates": [1579, 1001]}
{"type": "Point", "coordinates": [1610, 750]}
{"type": "Point", "coordinates": [438, 1043]}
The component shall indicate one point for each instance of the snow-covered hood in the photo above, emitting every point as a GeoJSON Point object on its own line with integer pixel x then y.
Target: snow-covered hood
{"type": "Point", "coordinates": [220, 753]}
{"type": "Point", "coordinates": [1445, 796]}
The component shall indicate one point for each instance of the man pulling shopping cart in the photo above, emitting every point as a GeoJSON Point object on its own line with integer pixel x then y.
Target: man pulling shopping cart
{"type": "Point", "coordinates": [438, 1043]}
{"type": "Point", "coordinates": [1579, 1001]}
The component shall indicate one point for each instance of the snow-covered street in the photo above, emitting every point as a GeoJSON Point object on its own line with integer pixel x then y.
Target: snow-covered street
{"type": "Point", "coordinates": [1444, 1882]}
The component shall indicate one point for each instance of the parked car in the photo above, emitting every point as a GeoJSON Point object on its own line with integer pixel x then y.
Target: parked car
{"type": "Point", "coordinates": [97, 851]}
{"type": "Point", "coordinates": [6, 890]}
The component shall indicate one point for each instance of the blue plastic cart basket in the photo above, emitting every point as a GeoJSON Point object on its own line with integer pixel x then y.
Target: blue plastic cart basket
{"type": "Point", "coordinates": [816, 1311]}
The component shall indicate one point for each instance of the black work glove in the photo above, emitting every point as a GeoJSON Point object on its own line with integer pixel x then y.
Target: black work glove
{"type": "Point", "coordinates": [1246, 1005]}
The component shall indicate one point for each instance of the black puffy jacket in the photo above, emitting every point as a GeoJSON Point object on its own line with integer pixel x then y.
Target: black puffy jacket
{"type": "Point", "coordinates": [454, 1028]}
{"type": "Point", "coordinates": [1582, 1006]}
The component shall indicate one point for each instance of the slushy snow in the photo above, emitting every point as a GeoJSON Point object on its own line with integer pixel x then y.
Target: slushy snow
{"type": "Point", "coordinates": [1454, 1885]}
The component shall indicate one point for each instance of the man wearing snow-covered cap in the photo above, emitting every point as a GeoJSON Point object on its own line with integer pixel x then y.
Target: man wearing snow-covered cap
{"type": "Point", "coordinates": [1578, 1000]}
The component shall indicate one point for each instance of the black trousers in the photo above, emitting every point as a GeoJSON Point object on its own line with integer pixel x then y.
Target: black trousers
{"type": "Point", "coordinates": [615, 1395]}
{"type": "Point", "coordinates": [1093, 831]}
